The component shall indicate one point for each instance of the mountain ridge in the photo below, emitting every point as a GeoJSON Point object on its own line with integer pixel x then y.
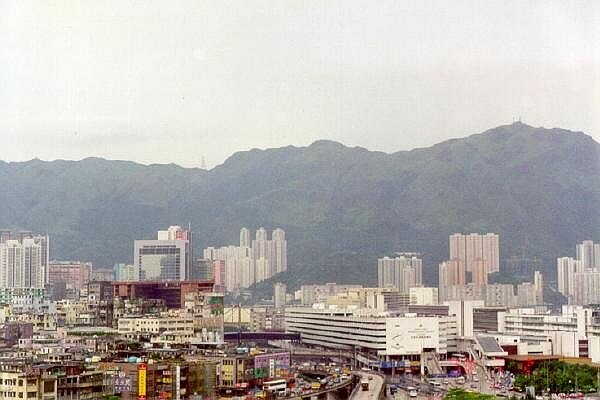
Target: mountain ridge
{"type": "Point", "coordinates": [341, 206]}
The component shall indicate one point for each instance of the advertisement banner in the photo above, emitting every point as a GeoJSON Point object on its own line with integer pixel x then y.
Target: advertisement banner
{"type": "Point", "coordinates": [142, 381]}
{"type": "Point", "coordinates": [177, 382]}
{"type": "Point", "coordinates": [272, 365]}
{"type": "Point", "coordinates": [122, 383]}
{"type": "Point", "coordinates": [410, 335]}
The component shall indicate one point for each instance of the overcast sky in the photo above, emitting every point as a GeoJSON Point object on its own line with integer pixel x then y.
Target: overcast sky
{"type": "Point", "coordinates": [171, 81]}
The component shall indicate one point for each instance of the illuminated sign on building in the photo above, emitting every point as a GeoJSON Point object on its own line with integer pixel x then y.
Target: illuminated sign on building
{"type": "Point", "coordinates": [142, 381]}
{"type": "Point", "coordinates": [271, 365]}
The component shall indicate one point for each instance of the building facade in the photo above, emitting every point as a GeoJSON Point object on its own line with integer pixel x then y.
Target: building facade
{"type": "Point", "coordinates": [165, 259]}
{"type": "Point", "coordinates": [401, 272]}
{"type": "Point", "coordinates": [253, 260]}
{"type": "Point", "coordinates": [468, 249]}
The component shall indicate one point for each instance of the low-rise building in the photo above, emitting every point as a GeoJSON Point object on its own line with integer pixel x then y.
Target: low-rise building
{"type": "Point", "coordinates": [148, 326]}
{"type": "Point", "coordinates": [572, 333]}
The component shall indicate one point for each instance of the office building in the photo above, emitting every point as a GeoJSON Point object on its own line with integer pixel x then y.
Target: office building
{"type": "Point", "coordinates": [164, 259]}
{"type": "Point", "coordinates": [467, 249]}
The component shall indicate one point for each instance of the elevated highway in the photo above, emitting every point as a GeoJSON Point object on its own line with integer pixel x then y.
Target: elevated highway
{"type": "Point", "coordinates": [242, 337]}
{"type": "Point", "coordinates": [376, 386]}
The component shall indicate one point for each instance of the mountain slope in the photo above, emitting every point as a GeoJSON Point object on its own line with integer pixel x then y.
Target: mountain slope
{"type": "Point", "coordinates": [341, 207]}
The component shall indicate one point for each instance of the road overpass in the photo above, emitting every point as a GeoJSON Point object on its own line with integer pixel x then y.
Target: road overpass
{"type": "Point", "coordinates": [242, 337]}
{"type": "Point", "coordinates": [376, 386]}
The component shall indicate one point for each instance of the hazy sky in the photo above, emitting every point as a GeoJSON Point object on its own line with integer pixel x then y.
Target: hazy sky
{"type": "Point", "coordinates": [171, 81]}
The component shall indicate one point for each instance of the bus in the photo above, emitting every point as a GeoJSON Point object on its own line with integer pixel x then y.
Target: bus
{"type": "Point", "coordinates": [277, 386]}
{"type": "Point", "coordinates": [364, 384]}
{"type": "Point", "coordinates": [412, 391]}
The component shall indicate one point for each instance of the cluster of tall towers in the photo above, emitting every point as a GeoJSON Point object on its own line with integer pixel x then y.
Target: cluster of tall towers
{"type": "Point", "coordinates": [23, 260]}
{"type": "Point", "coordinates": [474, 253]}
{"type": "Point", "coordinates": [402, 272]}
{"type": "Point", "coordinates": [579, 277]}
{"type": "Point", "coordinates": [254, 260]}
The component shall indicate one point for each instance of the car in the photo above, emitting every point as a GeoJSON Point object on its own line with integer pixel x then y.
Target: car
{"type": "Point", "coordinates": [475, 379]}
{"type": "Point", "coordinates": [474, 385]}
{"type": "Point", "coordinates": [370, 378]}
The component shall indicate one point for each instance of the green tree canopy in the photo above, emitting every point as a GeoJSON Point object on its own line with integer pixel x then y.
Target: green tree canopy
{"type": "Point", "coordinates": [461, 394]}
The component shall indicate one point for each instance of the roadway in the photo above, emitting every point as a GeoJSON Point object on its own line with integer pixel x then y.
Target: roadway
{"type": "Point", "coordinates": [376, 383]}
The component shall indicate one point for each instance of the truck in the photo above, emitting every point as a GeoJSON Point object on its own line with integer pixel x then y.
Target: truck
{"type": "Point", "coordinates": [364, 384]}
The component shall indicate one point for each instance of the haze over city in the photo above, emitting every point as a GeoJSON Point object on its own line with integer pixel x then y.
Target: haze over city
{"type": "Point", "coordinates": [127, 80]}
{"type": "Point", "coordinates": [326, 263]}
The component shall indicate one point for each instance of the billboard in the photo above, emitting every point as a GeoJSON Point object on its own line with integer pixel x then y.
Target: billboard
{"type": "Point", "coordinates": [271, 365]}
{"type": "Point", "coordinates": [410, 335]}
{"type": "Point", "coordinates": [122, 383]}
{"type": "Point", "coordinates": [142, 381]}
{"type": "Point", "coordinates": [177, 382]}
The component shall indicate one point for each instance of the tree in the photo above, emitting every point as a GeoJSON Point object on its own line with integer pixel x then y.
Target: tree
{"type": "Point", "coordinates": [559, 377]}
{"type": "Point", "coordinates": [461, 394]}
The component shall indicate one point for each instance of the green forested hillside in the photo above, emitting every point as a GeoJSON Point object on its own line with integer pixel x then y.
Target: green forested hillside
{"type": "Point", "coordinates": [340, 207]}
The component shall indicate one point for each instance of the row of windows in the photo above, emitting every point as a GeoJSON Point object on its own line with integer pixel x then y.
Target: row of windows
{"type": "Point", "coordinates": [30, 395]}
